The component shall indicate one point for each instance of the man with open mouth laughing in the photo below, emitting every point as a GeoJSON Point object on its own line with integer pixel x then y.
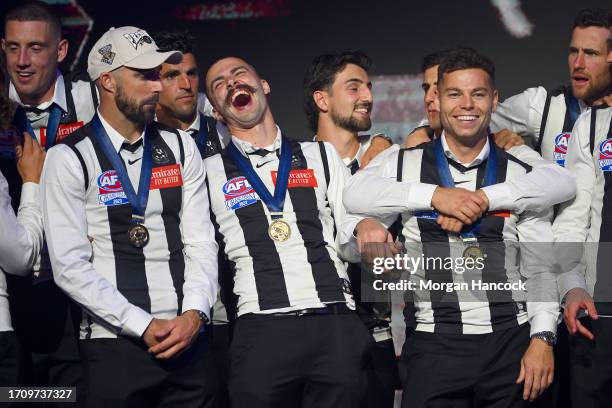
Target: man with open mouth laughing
{"type": "Point", "coordinates": [277, 203]}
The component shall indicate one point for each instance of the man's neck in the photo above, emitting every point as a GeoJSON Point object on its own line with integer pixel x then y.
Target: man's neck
{"type": "Point", "coordinates": [466, 150]}
{"type": "Point", "coordinates": [261, 135]}
{"type": "Point", "coordinates": [129, 130]}
{"type": "Point", "coordinates": [31, 100]}
{"type": "Point", "coordinates": [166, 118]}
{"type": "Point", "coordinates": [344, 141]}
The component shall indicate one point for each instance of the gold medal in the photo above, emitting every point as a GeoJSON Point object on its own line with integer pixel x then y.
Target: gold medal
{"type": "Point", "coordinates": [138, 235]}
{"type": "Point", "coordinates": [279, 230]}
{"type": "Point", "coordinates": [473, 252]}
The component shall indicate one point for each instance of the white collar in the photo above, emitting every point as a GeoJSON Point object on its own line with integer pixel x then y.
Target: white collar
{"type": "Point", "coordinates": [482, 156]}
{"type": "Point", "coordinates": [116, 138]}
{"type": "Point", "coordinates": [59, 95]}
{"type": "Point", "coordinates": [246, 147]}
{"type": "Point", "coordinates": [195, 125]}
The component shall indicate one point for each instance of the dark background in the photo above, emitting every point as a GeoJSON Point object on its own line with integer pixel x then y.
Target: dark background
{"type": "Point", "coordinates": [396, 34]}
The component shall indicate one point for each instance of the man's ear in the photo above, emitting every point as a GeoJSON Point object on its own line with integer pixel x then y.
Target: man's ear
{"type": "Point", "coordinates": [216, 115]}
{"type": "Point", "coordinates": [62, 50]}
{"type": "Point", "coordinates": [321, 100]}
{"type": "Point", "coordinates": [107, 82]}
{"type": "Point", "coordinates": [495, 99]}
{"type": "Point", "coordinates": [266, 86]}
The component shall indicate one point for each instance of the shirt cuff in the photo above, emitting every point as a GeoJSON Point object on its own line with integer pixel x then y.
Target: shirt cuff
{"type": "Point", "coordinates": [200, 303]}
{"type": "Point", "coordinates": [137, 322]}
{"type": "Point", "coordinates": [500, 197]}
{"type": "Point", "coordinates": [419, 196]}
{"type": "Point", "coordinates": [30, 193]}
{"type": "Point", "coordinates": [543, 321]}
{"type": "Point", "coordinates": [568, 281]}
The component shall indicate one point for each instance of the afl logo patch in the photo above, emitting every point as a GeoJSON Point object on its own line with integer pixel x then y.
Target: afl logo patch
{"type": "Point", "coordinates": [605, 155]}
{"type": "Point", "coordinates": [239, 193]}
{"type": "Point", "coordinates": [561, 142]}
{"type": "Point", "coordinates": [110, 191]}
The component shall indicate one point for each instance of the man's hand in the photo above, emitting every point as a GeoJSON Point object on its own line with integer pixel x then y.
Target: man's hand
{"type": "Point", "coordinates": [185, 330]}
{"type": "Point", "coordinates": [450, 224]}
{"type": "Point", "coordinates": [372, 232]}
{"type": "Point", "coordinates": [467, 206]}
{"type": "Point", "coordinates": [506, 139]}
{"type": "Point", "coordinates": [417, 137]}
{"type": "Point", "coordinates": [30, 159]}
{"type": "Point", "coordinates": [158, 330]}
{"type": "Point", "coordinates": [537, 369]}
{"type": "Point", "coordinates": [575, 300]}
{"type": "Point", "coordinates": [377, 146]}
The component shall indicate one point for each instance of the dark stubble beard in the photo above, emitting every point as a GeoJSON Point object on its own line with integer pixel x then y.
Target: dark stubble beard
{"type": "Point", "coordinates": [350, 123]}
{"type": "Point", "coordinates": [133, 110]}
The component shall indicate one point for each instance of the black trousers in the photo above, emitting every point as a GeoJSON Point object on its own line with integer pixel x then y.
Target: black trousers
{"type": "Point", "coordinates": [463, 371]}
{"type": "Point", "coordinates": [383, 376]}
{"type": "Point", "coordinates": [299, 361]}
{"type": "Point", "coordinates": [591, 365]}
{"type": "Point", "coordinates": [219, 338]}
{"type": "Point", "coordinates": [9, 359]}
{"type": "Point", "coordinates": [121, 373]}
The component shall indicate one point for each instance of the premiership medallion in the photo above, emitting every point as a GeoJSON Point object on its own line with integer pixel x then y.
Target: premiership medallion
{"type": "Point", "coordinates": [279, 230]}
{"type": "Point", "coordinates": [138, 235]}
{"type": "Point", "coordinates": [473, 252]}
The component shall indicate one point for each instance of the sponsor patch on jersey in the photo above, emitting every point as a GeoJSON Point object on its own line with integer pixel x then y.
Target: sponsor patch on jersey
{"type": "Point", "coordinates": [299, 178]}
{"type": "Point", "coordinates": [63, 131]}
{"type": "Point", "coordinates": [110, 190]}
{"type": "Point", "coordinates": [239, 193]}
{"type": "Point", "coordinates": [8, 139]}
{"type": "Point", "coordinates": [561, 142]}
{"type": "Point", "coordinates": [605, 155]}
{"type": "Point", "coordinates": [166, 177]}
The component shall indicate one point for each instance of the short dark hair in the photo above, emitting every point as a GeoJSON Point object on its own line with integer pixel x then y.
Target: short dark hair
{"type": "Point", "coordinates": [321, 74]}
{"type": "Point", "coordinates": [36, 11]}
{"type": "Point", "coordinates": [465, 58]}
{"type": "Point", "coordinates": [595, 17]}
{"type": "Point", "coordinates": [175, 40]}
{"type": "Point", "coordinates": [433, 59]}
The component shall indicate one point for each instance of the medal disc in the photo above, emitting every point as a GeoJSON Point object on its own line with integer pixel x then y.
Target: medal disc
{"type": "Point", "coordinates": [473, 252]}
{"type": "Point", "coordinates": [138, 235]}
{"type": "Point", "coordinates": [279, 230]}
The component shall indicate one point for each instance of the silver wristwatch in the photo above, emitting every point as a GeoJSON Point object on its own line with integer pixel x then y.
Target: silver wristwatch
{"type": "Point", "coordinates": [548, 336]}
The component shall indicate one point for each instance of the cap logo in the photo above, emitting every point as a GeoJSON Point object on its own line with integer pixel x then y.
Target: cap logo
{"type": "Point", "coordinates": [107, 55]}
{"type": "Point", "coordinates": [138, 38]}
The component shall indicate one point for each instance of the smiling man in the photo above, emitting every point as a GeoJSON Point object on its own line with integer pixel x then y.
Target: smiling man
{"type": "Point", "coordinates": [276, 204]}
{"type": "Point", "coordinates": [469, 348]}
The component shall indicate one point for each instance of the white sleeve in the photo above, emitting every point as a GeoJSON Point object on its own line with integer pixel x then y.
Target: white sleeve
{"type": "Point", "coordinates": [536, 265]}
{"type": "Point", "coordinates": [64, 215]}
{"type": "Point", "coordinates": [21, 236]}
{"type": "Point", "coordinates": [573, 220]}
{"type": "Point", "coordinates": [546, 185]}
{"type": "Point", "coordinates": [521, 114]}
{"type": "Point", "coordinates": [375, 191]}
{"type": "Point", "coordinates": [201, 267]}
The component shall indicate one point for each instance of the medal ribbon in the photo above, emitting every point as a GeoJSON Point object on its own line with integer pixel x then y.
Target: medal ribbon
{"type": "Point", "coordinates": [138, 201]}
{"type": "Point", "coordinates": [24, 125]}
{"type": "Point", "coordinates": [446, 179]}
{"type": "Point", "coordinates": [274, 203]}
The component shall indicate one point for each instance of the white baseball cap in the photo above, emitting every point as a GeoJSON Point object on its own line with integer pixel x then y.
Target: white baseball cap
{"type": "Point", "coordinates": [126, 47]}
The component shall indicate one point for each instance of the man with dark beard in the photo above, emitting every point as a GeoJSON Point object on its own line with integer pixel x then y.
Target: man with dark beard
{"type": "Point", "coordinates": [126, 216]}
{"type": "Point", "coordinates": [338, 100]}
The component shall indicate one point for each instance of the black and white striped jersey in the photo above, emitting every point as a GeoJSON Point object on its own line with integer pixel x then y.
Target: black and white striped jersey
{"type": "Point", "coordinates": [499, 234]}
{"type": "Point", "coordinates": [587, 219]}
{"type": "Point", "coordinates": [542, 117]}
{"type": "Point", "coordinates": [304, 271]}
{"type": "Point", "coordinates": [87, 215]}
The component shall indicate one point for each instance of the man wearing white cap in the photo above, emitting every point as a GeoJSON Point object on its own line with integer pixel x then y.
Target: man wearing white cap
{"type": "Point", "coordinates": [125, 209]}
